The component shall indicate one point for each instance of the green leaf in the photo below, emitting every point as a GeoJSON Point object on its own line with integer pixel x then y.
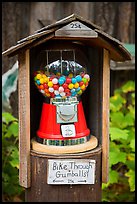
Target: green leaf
{"type": "Point", "coordinates": [15, 158]}
{"type": "Point", "coordinates": [113, 176]}
{"type": "Point", "coordinates": [118, 119]}
{"type": "Point", "coordinates": [116, 157]}
{"type": "Point", "coordinates": [133, 98]}
{"type": "Point", "coordinates": [130, 164]}
{"type": "Point", "coordinates": [116, 102]}
{"type": "Point", "coordinates": [131, 179]}
{"type": "Point", "coordinates": [132, 111]}
{"type": "Point", "coordinates": [129, 86]}
{"type": "Point", "coordinates": [7, 118]}
{"type": "Point", "coordinates": [132, 144]}
{"type": "Point", "coordinates": [13, 129]}
{"type": "Point", "coordinates": [117, 133]}
{"type": "Point", "coordinates": [113, 147]}
{"type": "Point", "coordinates": [129, 118]}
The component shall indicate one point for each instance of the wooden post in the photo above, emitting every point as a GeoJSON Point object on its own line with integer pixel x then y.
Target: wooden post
{"type": "Point", "coordinates": [40, 191]}
{"type": "Point", "coordinates": [105, 116]}
{"type": "Point", "coordinates": [24, 119]}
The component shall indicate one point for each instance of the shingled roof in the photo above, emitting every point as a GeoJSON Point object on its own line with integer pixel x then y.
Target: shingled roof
{"type": "Point", "coordinates": [117, 50]}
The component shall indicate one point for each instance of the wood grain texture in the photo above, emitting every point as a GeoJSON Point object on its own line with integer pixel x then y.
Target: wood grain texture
{"type": "Point", "coordinates": [24, 120]}
{"type": "Point", "coordinates": [40, 191]}
{"type": "Point", "coordinates": [105, 116]}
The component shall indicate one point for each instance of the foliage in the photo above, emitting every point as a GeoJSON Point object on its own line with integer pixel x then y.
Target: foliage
{"type": "Point", "coordinates": [12, 191]}
{"type": "Point", "coordinates": [121, 185]}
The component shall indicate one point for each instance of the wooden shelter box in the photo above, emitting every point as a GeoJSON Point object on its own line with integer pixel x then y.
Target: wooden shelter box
{"type": "Point", "coordinates": [95, 48]}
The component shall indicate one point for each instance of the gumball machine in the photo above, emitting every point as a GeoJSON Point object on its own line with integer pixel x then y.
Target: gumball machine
{"type": "Point", "coordinates": [62, 82]}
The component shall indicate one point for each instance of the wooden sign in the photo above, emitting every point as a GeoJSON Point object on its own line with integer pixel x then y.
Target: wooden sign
{"type": "Point", "coordinates": [76, 29]}
{"type": "Point", "coordinates": [74, 171]}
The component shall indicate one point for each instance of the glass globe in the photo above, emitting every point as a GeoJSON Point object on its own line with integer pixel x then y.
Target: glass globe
{"type": "Point", "coordinates": [61, 79]}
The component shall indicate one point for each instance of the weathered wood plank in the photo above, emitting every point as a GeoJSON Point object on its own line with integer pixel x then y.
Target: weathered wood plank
{"type": "Point", "coordinates": [72, 155]}
{"type": "Point", "coordinates": [24, 120]}
{"type": "Point", "coordinates": [40, 191]}
{"type": "Point", "coordinates": [105, 116]}
{"type": "Point", "coordinates": [29, 41]}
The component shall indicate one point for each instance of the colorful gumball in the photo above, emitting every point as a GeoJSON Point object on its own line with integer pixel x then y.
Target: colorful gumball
{"type": "Point", "coordinates": [41, 86]}
{"type": "Point", "coordinates": [73, 94]}
{"type": "Point", "coordinates": [78, 89]}
{"type": "Point", "coordinates": [86, 76]}
{"type": "Point", "coordinates": [42, 91]}
{"type": "Point", "coordinates": [76, 85]}
{"type": "Point", "coordinates": [51, 90]}
{"type": "Point", "coordinates": [81, 83]}
{"type": "Point", "coordinates": [70, 75]}
{"type": "Point", "coordinates": [47, 94]}
{"type": "Point", "coordinates": [65, 85]}
{"type": "Point", "coordinates": [83, 87]}
{"type": "Point", "coordinates": [78, 78]}
{"type": "Point", "coordinates": [51, 78]}
{"type": "Point", "coordinates": [70, 86]}
{"type": "Point", "coordinates": [58, 73]}
{"type": "Point", "coordinates": [54, 80]}
{"type": "Point", "coordinates": [61, 89]}
{"type": "Point", "coordinates": [38, 76]}
{"type": "Point", "coordinates": [63, 77]}
{"type": "Point", "coordinates": [56, 92]}
{"type": "Point", "coordinates": [45, 85]}
{"type": "Point", "coordinates": [79, 92]}
{"type": "Point", "coordinates": [68, 80]}
{"type": "Point", "coordinates": [41, 81]}
{"type": "Point", "coordinates": [46, 79]}
{"type": "Point", "coordinates": [55, 86]}
{"type": "Point", "coordinates": [35, 78]}
{"type": "Point", "coordinates": [67, 90]}
{"type": "Point", "coordinates": [46, 90]}
{"type": "Point", "coordinates": [61, 81]}
{"type": "Point", "coordinates": [44, 76]}
{"type": "Point", "coordinates": [72, 90]}
{"type": "Point", "coordinates": [50, 84]}
{"type": "Point", "coordinates": [84, 80]}
{"type": "Point", "coordinates": [52, 95]}
{"type": "Point", "coordinates": [73, 80]}
{"type": "Point", "coordinates": [38, 82]}
{"type": "Point", "coordinates": [86, 84]}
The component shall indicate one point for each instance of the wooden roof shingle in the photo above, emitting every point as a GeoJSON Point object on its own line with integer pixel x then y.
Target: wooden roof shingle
{"type": "Point", "coordinates": [117, 50]}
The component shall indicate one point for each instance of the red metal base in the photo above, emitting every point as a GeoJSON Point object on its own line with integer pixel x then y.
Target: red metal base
{"type": "Point", "coordinates": [50, 129]}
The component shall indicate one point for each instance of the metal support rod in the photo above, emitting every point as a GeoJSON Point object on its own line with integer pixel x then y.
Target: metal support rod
{"type": "Point", "coordinates": [47, 60]}
{"type": "Point", "coordinates": [61, 59]}
{"type": "Point", "coordinates": [74, 62]}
